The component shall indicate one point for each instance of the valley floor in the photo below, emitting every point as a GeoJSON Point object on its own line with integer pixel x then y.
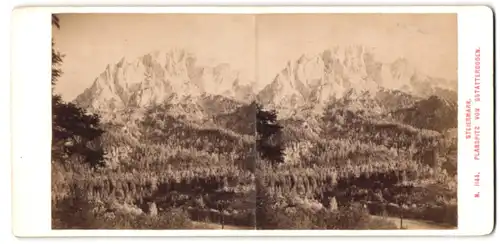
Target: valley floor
{"type": "Point", "coordinates": [414, 224]}
{"type": "Point", "coordinates": [214, 226]}
{"type": "Point", "coordinates": [409, 224]}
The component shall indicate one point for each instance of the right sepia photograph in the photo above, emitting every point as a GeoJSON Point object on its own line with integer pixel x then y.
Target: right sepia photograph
{"type": "Point", "coordinates": [364, 121]}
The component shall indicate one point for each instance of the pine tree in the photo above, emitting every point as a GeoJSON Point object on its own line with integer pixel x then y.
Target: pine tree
{"type": "Point", "coordinates": [269, 131]}
{"type": "Point", "coordinates": [56, 55]}
{"type": "Point", "coordinates": [74, 130]}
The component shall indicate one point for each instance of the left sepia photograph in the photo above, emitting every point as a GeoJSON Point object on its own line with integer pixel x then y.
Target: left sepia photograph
{"type": "Point", "coordinates": [153, 121]}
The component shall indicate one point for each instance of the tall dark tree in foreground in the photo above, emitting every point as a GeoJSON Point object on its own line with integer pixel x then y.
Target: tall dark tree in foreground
{"type": "Point", "coordinates": [57, 57]}
{"type": "Point", "coordinates": [269, 144]}
{"type": "Point", "coordinates": [270, 148]}
{"type": "Point", "coordinates": [74, 131]}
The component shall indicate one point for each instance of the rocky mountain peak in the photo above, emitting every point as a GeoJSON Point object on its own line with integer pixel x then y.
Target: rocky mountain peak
{"type": "Point", "coordinates": [351, 71]}
{"type": "Point", "coordinates": [156, 77]}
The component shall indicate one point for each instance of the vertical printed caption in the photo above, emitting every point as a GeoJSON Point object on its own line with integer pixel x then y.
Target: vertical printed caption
{"type": "Point", "coordinates": [472, 121]}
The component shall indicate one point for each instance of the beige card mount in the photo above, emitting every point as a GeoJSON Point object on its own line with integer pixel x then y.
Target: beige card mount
{"type": "Point", "coordinates": [245, 121]}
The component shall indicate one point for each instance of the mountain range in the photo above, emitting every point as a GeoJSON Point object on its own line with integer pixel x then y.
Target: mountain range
{"type": "Point", "coordinates": [344, 77]}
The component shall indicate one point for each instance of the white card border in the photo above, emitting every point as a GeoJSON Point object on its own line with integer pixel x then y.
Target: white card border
{"type": "Point", "coordinates": [31, 177]}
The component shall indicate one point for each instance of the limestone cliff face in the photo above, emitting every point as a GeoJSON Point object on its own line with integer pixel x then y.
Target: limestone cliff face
{"type": "Point", "coordinates": [172, 76]}
{"type": "Point", "coordinates": [352, 72]}
{"type": "Point", "coordinates": [348, 76]}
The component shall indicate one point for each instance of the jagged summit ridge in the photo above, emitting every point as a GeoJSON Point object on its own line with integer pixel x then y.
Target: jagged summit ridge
{"type": "Point", "coordinates": [349, 75]}
{"type": "Point", "coordinates": [159, 76]}
{"type": "Point", "coordinates": [315, 79]}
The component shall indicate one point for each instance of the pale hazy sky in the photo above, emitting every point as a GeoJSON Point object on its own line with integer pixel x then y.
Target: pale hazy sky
{"type": "Point", "coordinates": [428, 41]}
{"type": "Point", "coordinates": [258, 46]}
